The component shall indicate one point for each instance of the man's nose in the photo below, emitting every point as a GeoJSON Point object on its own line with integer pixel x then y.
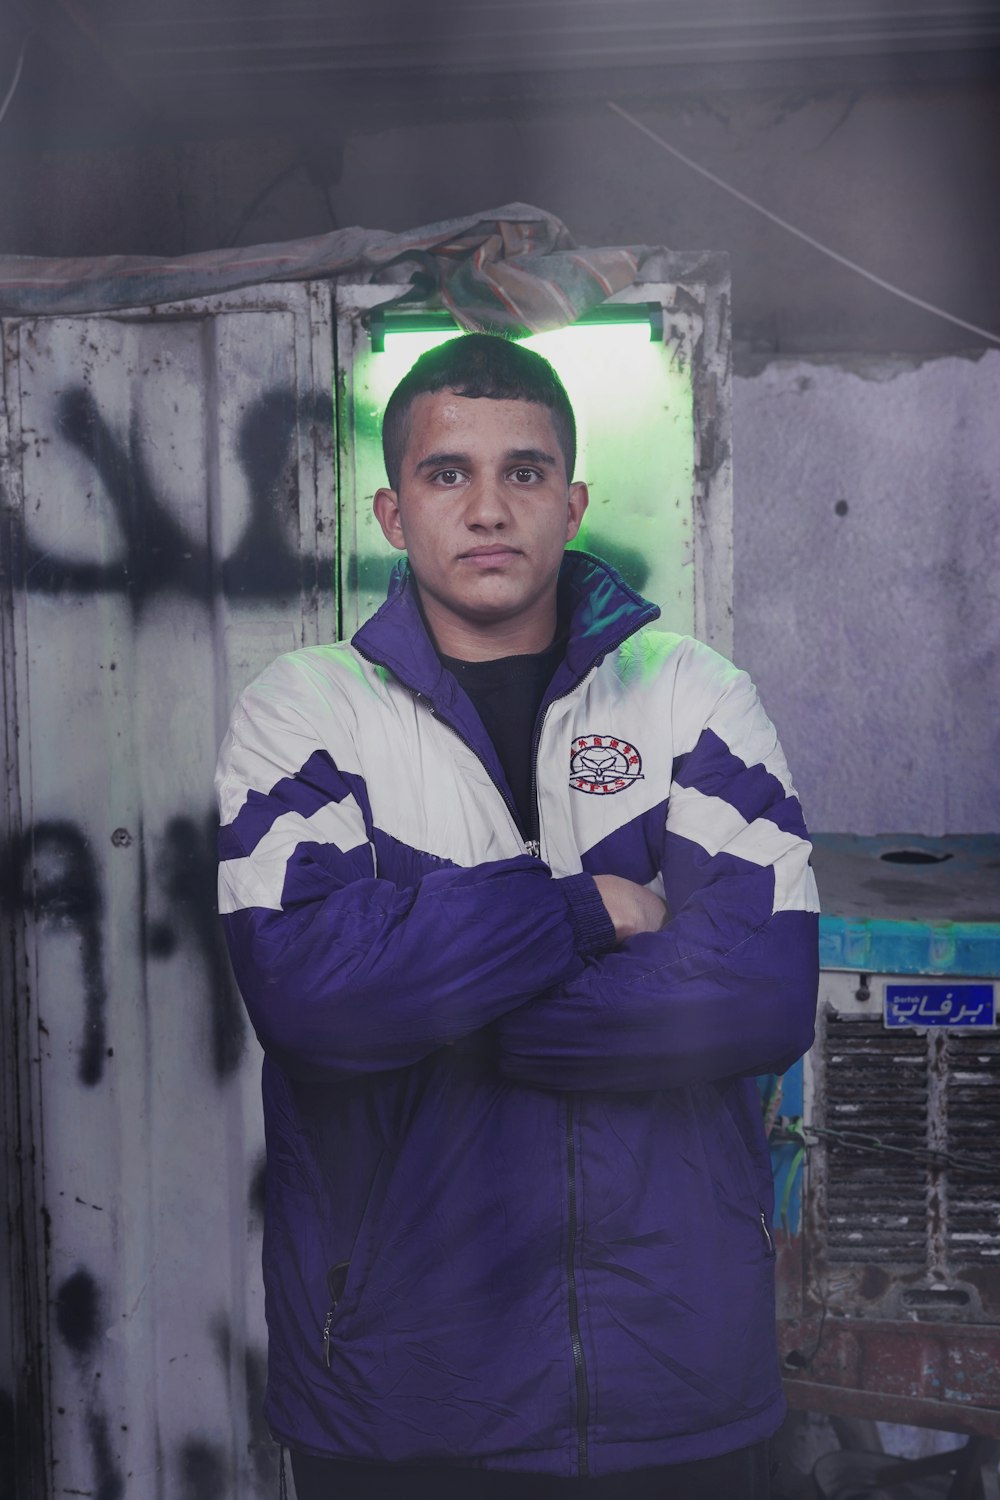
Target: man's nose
{"type": "Point", "coordinates": [487, 503]}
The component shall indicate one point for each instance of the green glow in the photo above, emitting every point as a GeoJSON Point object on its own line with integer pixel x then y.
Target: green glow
{"type": "Point", "coordinates": [633, 405]}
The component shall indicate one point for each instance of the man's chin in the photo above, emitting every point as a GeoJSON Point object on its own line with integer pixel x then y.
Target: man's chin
{"type": "Point", "coordinates": [493, 607]}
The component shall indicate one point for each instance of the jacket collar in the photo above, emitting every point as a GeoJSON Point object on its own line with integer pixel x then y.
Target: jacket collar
{"type": "Point", "coordinates": [602, 610]}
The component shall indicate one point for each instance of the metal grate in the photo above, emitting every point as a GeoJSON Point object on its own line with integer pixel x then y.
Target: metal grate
{"type": "Point", "coordinates": [972, 1095]}
{"type": "Point", "coordinates": [902, 1092]}
{"type": "Point", "coordinates": [875, 1084]}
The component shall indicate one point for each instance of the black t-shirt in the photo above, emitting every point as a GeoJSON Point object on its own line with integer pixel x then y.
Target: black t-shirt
{"type": "Point", "coordinates": [507, 694]}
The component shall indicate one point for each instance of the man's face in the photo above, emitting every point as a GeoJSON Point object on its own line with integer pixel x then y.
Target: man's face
{"type": "Point", "coordinates": [484, 511]}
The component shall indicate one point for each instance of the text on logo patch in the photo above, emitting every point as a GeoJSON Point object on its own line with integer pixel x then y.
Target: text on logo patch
{"type": "Point", "coordinates": [603, 763]}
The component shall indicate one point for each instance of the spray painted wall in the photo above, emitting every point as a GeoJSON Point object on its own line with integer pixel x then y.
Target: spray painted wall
{"type": "Point", "coordinates": [169, 522]}
{"type": "Point", "coordinates": [867, 584]}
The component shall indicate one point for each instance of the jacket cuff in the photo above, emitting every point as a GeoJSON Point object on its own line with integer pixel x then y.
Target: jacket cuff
{"type": "Point", "coordinates": [593, 929]}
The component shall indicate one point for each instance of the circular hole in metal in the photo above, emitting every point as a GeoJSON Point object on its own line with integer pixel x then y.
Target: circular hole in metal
{"type": "Point", "coordinates": [914, 857]}
{"type": "Point", "coordinates": [795, 1360]}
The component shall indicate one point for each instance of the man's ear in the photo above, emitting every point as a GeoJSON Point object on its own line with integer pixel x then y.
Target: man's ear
{"type": "Point", "coordinates": [579, 499]}
{"type": "Point", "coordinates": [386, 507]}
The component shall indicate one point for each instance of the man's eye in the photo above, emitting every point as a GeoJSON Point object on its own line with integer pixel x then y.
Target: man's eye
{"type": "Point", "coordinates": [448, 476]}
{"type": "Point", "coordinates": [526, 476]}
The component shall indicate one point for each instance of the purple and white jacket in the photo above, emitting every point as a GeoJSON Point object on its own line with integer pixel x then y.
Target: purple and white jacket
{"type": "Point", "coordinates": [518, 1192]}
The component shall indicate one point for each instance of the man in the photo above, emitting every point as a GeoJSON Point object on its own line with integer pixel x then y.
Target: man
{"type": "Point", "coordinates": [517, 894]}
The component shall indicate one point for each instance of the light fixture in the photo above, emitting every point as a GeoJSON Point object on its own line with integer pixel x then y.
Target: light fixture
{"type": "Point", "coordinates": [385, 323]}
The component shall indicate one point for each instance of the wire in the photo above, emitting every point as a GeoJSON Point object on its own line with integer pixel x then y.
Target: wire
{"type": "Point", "coordinates": [842, 260]}
{"type": "Point", "coordinates": [16, 78]}
{"type": "Point", "coordinates": [258, 199]}
{"type": "Point", "coordinates": [795, 1131]}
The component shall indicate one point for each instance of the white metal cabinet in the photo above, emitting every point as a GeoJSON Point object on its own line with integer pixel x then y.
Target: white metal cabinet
{"type": "Point", "coordinates": [169, 527]}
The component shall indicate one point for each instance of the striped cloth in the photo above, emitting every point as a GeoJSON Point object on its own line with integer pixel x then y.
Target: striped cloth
{"type": "Point", "coordinates": [513, 268]}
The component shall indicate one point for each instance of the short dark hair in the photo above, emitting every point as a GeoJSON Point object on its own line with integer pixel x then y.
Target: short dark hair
{"type": "Point", "coordinates": [478, 364]}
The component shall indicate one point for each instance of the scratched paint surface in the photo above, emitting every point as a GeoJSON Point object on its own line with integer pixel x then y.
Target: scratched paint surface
{"type": "Point", "coordinates": [173, 519]}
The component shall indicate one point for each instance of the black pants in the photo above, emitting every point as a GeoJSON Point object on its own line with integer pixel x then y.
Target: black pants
{"type": "Point", "coordinates": [743, 1475]}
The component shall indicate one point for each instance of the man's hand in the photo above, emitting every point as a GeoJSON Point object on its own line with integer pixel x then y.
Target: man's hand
{"type": "Point", "coordinates": [631, 907]}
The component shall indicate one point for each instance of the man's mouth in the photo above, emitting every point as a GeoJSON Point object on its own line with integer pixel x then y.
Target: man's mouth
{"type": "Point", "coordinates": [484, 557]}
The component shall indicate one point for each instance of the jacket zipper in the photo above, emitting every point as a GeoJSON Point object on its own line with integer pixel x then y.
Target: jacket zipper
{"type": "Point", "coordinates": [767, 1234]}
{"type": "Point", "coordinates": [532, 846]}
{"type": "Point", "coordinates": [336, 1280]}
{"type": "Point", "coordinates": [576, 1341]}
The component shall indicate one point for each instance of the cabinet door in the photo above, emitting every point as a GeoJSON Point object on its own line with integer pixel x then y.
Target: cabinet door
{"type": "Point", "coordinates": [169, 527]}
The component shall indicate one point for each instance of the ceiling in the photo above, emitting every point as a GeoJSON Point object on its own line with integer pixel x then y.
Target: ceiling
{"type": "Point", "coordinates": [197, 66]}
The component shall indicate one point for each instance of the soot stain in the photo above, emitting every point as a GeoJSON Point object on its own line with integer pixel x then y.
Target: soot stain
{"type": "Point", "coordinates": [78, 1311]}
{"type": "Point", "coordinates": [110, 1485]}
{"type": "Point", "coordinates": [203, 1470]}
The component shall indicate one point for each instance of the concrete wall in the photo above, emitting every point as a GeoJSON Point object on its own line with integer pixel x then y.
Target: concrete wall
{"type": "Point", "coordinates": [867, 603]}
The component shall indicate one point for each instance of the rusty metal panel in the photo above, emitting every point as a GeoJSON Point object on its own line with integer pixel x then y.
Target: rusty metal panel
{"type": "Point", "coordinates": [903, 1198]}
{"type": "Point", "coordinates": [936, 1375]}
{"type": "Point", "coordinates": [841, 1401]}
{"type": "Point", "coordinates": [891, 1292]}
{"type": "Point", "coordinates": [170, 519]}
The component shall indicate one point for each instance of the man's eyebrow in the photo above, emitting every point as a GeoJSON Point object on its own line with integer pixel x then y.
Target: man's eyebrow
{"type": "Point", "coordinates": [530, 456]}
{"type": "Point", "coordinates": [443, 461]}
{"type": "Point", "coordinates": [463, 460]}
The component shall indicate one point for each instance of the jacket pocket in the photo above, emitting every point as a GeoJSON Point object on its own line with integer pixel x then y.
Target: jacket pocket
{"type": "Point", "coordinates": [336, 1280]}
{"type": "Point", "coordinates": [753, 1197]}
{"type": "Point", "coordinates": [346, 1279]}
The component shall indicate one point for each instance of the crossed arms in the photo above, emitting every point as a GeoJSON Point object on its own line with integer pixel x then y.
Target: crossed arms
{"type": "Point", "coordinates": [585, 980]}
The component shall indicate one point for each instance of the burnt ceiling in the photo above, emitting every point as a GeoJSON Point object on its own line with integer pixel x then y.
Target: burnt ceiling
{"type": "Point", "coordinates": [196, 67]}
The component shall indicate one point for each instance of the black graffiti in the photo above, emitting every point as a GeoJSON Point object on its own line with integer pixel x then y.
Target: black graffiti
{"type": "Point", "coordinates": [263, 1453]}
{"type": "Point", "coordinates": [204, 1470]}
{"type": "Point", "coordinates": [186, 872]}
{"type": "Point", "coordinates": [78, 1319]}
{"type": "Point", "coordinates": [77, 1306]}
{"type": "Point", "coordinates": [632, 564]}
{"type": "Point", "coordinates": [108, 1479]}
{"type": "Point", "coordinates": [157, 554]}
{"type": "Point", "coordinates": [257, 1191]}
{"type": "Point", "coordinates": [368, 573]}
{"type": "Point", "coordinates": [51, 871]}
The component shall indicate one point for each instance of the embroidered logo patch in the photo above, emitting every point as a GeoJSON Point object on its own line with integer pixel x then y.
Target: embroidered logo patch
{"type": "Point", "coordinates": [602, 763]}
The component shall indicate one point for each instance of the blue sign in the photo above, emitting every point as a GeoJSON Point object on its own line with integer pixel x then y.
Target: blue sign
{"type": "Point", "coordinates": [957, 1004]}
